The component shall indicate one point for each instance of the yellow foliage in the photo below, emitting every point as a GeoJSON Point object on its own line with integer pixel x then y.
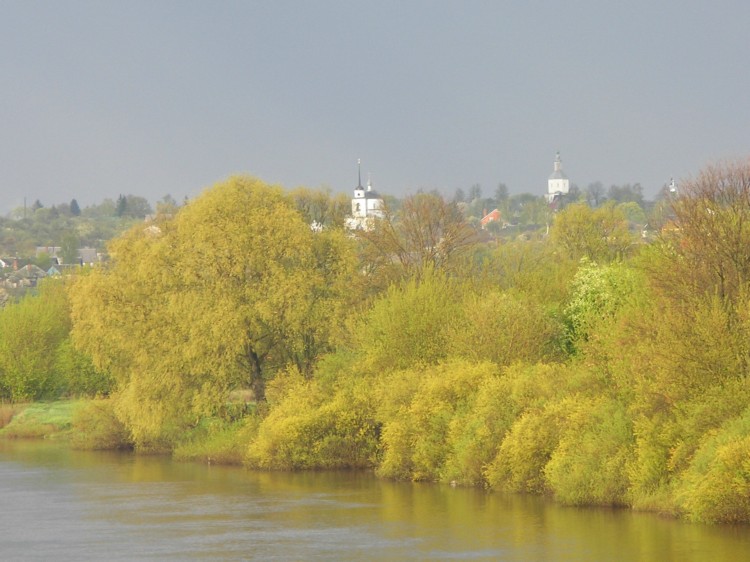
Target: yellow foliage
{"type": "Point", "coordinates": [233, 288]}
{"type": "Point", "coordinates": [96, 427]}
{"type": "Point", "coordinates": [422, 436]}
{"type": "Point", "coordinates": [504, 328]}
{"type": "Point", "coordinates": [588, 465]}
{"type": "Point", "coordinates": [527, 448]}
{"type": "Point", "coordinates": [599, 234]}
{"type": "Point", "coordinates": [312, 425]}
{"type": "Point", "coordinates": [717, 485]}
{"type": "Point", "coordinates": [408, 326]}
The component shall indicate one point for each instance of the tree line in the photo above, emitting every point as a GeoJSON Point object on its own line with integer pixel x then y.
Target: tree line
{"type": "Point", "coordinates": [26, 228]}
{"type": "Point", "coordinates": [585, 363]}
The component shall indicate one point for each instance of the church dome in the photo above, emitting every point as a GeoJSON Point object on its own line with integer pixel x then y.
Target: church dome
{"type": "Point", "coordinates": [558, 175]}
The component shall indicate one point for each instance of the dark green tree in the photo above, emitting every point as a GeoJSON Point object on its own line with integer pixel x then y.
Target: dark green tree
{"type": "Point", "coordinates": [137, 207]}
{"type": "Point", "coordinates": [121, 206]}
{"type": "Point", "coordinates": [501, 193]}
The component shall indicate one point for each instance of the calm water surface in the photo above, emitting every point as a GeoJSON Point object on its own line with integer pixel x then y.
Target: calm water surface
{"type": "Point", "coordinates": [59, 504]}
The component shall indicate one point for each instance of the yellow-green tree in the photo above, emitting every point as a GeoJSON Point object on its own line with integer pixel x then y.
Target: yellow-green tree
{"type": "Point", "coordinates": [30, 333]}
{"type": "Point", "coordinates": [234, 287]}
{"type": "Point", "coordinates": [599, 234]}
{"type": "Point", "coordinates": [410, 323]}
{"type": "Point", "coordinates": [503, 328]}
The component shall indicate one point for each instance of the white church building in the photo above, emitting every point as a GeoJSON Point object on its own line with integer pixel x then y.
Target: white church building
{"type": "Point", "coordinates": [558, 183]}
{"type": "Point", "coordinates": [367, 205]}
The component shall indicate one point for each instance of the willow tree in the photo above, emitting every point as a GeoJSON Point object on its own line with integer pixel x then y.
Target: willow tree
{"type": "Point", "coordinates": [234, 287]}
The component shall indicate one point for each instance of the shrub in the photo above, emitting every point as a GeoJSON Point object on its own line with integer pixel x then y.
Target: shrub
{"type": "Point", "coordinates": [524, 453]}
{"type": "Point", "coordinates": [312, 425]}
{"type": "Point", "coordinates": [7, 411]}
{"type": "Point", "coordinates": [218, 441]}
{"type": "Point", "coordinates": [588, 465]}
{"type": "Point", "coordinates": [408, 326]}
{"type": "Point", "coordinates": [648, 469]}
{"type": "Point", "coordinates": [96, 427]}
{"type": "Point", "coordinates": [77, 374]}
{"type": "Point", "coordinates": [417, 442]}
{"type": "Point", "coordinates": [504, 328]}
{"type": "Point", "coordinates": [716, 487]}
{"type": "Point", "coordinates": [30, 332]}
{"type": "Point", "coordinates": [475, 433]}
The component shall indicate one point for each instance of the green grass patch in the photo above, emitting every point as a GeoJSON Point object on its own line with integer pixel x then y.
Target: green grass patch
{"type": "Point", "coordinates": [44, 420]}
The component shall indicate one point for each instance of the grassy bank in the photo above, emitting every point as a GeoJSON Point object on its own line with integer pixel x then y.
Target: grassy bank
{"type": "Point", "coordinates": [42, 420]}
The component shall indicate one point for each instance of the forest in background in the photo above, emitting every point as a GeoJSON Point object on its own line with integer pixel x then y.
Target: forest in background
{"type": "Point", "coordinates": [579, 360]}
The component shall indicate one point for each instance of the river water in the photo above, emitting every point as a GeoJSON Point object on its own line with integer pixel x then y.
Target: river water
{"type": "Point", "coordinates": [59, 504]}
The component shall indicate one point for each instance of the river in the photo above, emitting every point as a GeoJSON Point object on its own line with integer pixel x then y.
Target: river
{"type": "Point", "coordinates": [59, 504]}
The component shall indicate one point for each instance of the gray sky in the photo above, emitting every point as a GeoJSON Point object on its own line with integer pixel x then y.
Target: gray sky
{"type": "Point", "coordinates": [154, 97]}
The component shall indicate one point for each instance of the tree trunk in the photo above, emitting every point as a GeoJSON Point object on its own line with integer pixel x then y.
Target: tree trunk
{"type": "Point", "coordinates": [257, 382]}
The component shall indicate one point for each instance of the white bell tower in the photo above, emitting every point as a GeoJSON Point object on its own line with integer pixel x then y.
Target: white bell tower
{"type": "Point", "coordinates": [558, 182]}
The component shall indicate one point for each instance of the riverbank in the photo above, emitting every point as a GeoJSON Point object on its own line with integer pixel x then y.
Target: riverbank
{"type": "Point", "coordinates": [40, 420]}
{"type": "Point", "coordinates": [90, 424]}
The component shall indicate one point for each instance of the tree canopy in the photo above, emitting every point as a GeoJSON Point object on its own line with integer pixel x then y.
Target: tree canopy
{"type": "Point", "coordinates": [230, 290]}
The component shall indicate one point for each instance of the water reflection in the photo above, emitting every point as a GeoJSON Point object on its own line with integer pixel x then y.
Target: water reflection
{"type": "Point", "coordinates": [83, 505]}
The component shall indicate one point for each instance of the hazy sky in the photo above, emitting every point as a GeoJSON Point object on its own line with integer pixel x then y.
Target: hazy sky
{"type": "Point", "coordinates": [102, 98]}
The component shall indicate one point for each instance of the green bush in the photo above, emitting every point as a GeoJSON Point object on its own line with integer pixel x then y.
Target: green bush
{"type": "Point", "coordinates": [418, 442]}
{"type": "Point", "coordinates": [588, 465]}
{"type": "Point", "coordinates": [30, 332]}
{"type": "Point", "coordinates": [649, 470]}
{"type": "Point", "coordinates": [77, 374]}
{"type": "Point", "coordinates": [527, 448]}
{"type": "Point", "coordinates": [504, 328]}
{"type": "Point", "coordinates": [96, 427]}
{"type": "Point", "coordinates": [597, 294]}
{"type": "Point", "coordinates": [475, 433]}
{"type": "Point", "coordinates": [668, 437]}
{"type": "Point", "coordinates": [408, 325]}
{"type": "Point", "coordinates": [716, 487]}
{"type": "Point", "coordinates": [311, 425]}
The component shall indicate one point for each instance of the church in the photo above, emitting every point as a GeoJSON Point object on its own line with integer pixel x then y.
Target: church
{"type": "Point", "coordinates": [367, 205]}
{"type": "Point", "coordinates": [558, 183]}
